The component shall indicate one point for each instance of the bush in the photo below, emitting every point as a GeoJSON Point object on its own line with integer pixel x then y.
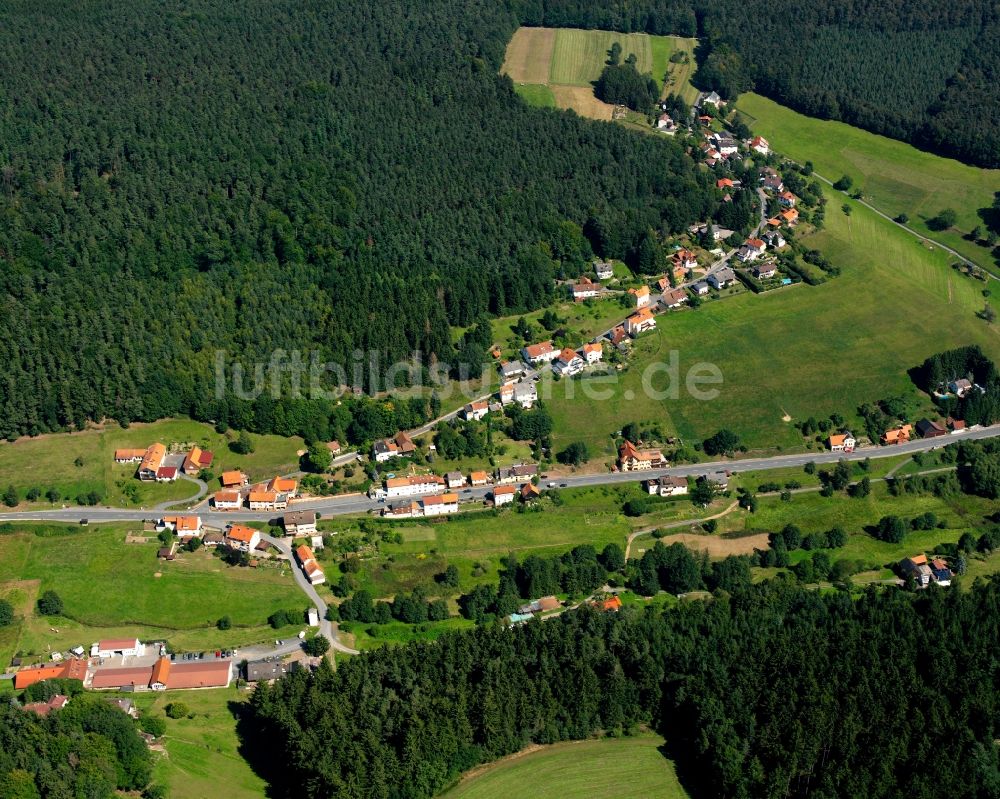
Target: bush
{"type": "Point", "coordinates": [224, 623]}
{"type": "Point", "coordinates": [317, 646]}
{"type": "Point", "coordinates": [50, 604]}
{"type": "Point", "coordinates": [574, 454]}
{"type": "Point", "coordinates": [176, 710]}
{"type": "Point", "coordinates": [6, 613]}
{"type": "Point", "coordinates": [278, 619]}
{"type": "Point", "coordinates": [154, 725]}
{"type": "Point", "coordinates": [891, 529]}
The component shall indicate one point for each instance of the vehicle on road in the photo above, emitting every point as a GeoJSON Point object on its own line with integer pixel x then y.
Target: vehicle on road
{"type": "Point", "coordinates": [550, 485]}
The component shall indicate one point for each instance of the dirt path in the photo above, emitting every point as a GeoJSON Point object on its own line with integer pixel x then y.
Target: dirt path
{"type": "Point", "coordinates": [675, 525]}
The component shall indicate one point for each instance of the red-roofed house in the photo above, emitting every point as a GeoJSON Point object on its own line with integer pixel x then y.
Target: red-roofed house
{"type": "Point", "coordinates": [242, 538]}
{"type": "Point", "coordinates": [542, 352]}
{"type": "Point", "coordinates": [568, 363]}
{"type": "Point", "coordinates": [633, 459]}
{"type": "Point", "coordinates": [196, 460]}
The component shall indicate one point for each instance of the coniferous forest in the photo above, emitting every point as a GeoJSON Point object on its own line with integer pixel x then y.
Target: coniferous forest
{"type": "Point", "coordinates": [767, 691]}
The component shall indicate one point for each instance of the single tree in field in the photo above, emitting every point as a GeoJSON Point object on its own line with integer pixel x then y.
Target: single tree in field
{"type": "Point", "coordinates": [316, 646]}
{"type": "Point", "coordinates": [50, 604]}
{"type": "Point", "coordinates": [10, 498]}
{"type": "Point", "coordinates": [6, 613]}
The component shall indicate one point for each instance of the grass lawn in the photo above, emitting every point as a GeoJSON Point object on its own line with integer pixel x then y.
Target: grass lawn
{"type": "Point", "coordinates": [809, 352]}
{"type": "Point", "coordinates": [558, 66]}
{"type": "Point", "coordinates": [895, 177]}
{"type": "Point", "coordinates": [202, 752]}
{"type": "Point", "coordinates": [50, 460]}
{"type": "Point", "coordinates": [111, 588]}
{"type": "Point", "coordinates": [581, 320]}
{"type": "Point", "coordinates": [626, 768]}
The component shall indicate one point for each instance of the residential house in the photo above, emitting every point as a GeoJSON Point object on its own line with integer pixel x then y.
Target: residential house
{"type": "Point", "coordinates": [264, 670]}
{"type": "Point", "coordinates": [242, 538]}
{"type": "Point", "coordinates": [414, 485]}
{"type": "Point", "coordinates": [152, 460]}
{"type": "Point", "coordinates": [127, 706]}
{"type": "Point", "coordinates": [668, 486]}
{"type": "Point", "coordinates": [404, 443]}
{"type": "Point", "coordinates": [385, 450]}
{"type": "Point", "coordinates": [455, 479]}
{"type": "Point", "coordinates": [897, 435]}
{"type": "Point", "coordinates": [129, 455]}
{"type": "Point", "coordinates": [941, 572]}
{"type": "Point", "coordinates": [544, 605]}
{"type": "Point", "coordinates": [640, 322]}
{"type": "Point", "coordinates": [841, 442]}
{"type": "Point", "coordinates": [774, 239]}
{"type": "Point", "coordinates": [790, 217]}
{"type": "Point", "coordinates": [227, 500]}
{"type": "Point", "coordinates": [764, 271]}
{"type": "Point", "coordinates": [260, 500]}
{"type": "Point", "coordinates": [118, 647]}
{"type": "Point", "coordinates": [475, 411]}
{"type": "Point", "coordinates": [57, 702]}
{"type": "Point", "coordinates": [619, 338]}
{"type": "Point", "coordinates": [568, 363]}
{"type": "Point", "coordinates": [166, 474]}
{"type": "Point", "coordinates": [334, 447]}
{"type": "Point", "coordinates": [234, 479]}
{"type": "Point", "coordinates": [605, 270]}
{"type": "Point", "coordinates": [700, 288]}
{"type": "Point", "coordinates": [719, 480]}
{"type": "Point", "coordinates": [503, 494]}
{"type": "Point", "coordinates": [930, 429]}
{"type": "Point", "coordinates": [722, 278]}
{"type": "Point", "coordinates": [771, 180]}
{"type": "Point", "coordinates": [299, 522]}
{"type": "Point", "coordinates": [311, 568]}
{"type": "Point", "coordinates": [182, 526]}
{"type": "Point", "coordinates": [633, 459]}
{"type": "Point", "coordinates": [213, 539]}
{"type": "Point", "coordinates": [592, 353]}
{"type": "Point", "coordinates": [709, 98]}
{"type": "Point", "coordinates": [516, 473]}
{"type": "Point", "coordinates": [478, 478]}
{"type": "Point", "coordinates": [196, 460]}
{"type": "Point", "coordinates": [674, 298]}
{"type": "Point", "coordinates": [684, 259]}
{"type": "Point", "coordinates": [403, 510]}
{"type": "Point", "coordinates": [506, 393]}
{"type": "Point", "coordinates": [284, 485]}
{"type": "Point", "coordinates": [960, 387]}
{"type": "Point", "coordinates": [751, 250]}
{"type": "Point", "coordinates": [726, 183]}
{"type": "Point", "coordinates": [665, 124]}
{"type": "Point", "coordinates": [585, 290]}
{"type": "Point", "coordinates": [540, 353]}
{"type": "Point", "coordinates": [440, 504]}
{"type": "Point", "coordinates": [786, 199]}
{"type": "Point", "coordinates": [525, 394]}
{"type": "Point", "coordinates": [641, 296]}
{"type": "Point", "coordinates": [513, 370]}
{"type": "Point", "coordinates": [759, 144]}
{"type": "Point", "coordinates": [956, 425]}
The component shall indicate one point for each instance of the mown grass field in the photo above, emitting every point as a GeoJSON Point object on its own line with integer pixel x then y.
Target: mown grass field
{"type": "Point", "coordinates": [50, 460]}
{"type": "Point", "coordinates": [558, 67]}
{"type": "Point", "coordinates": [895, 177]}
{"type": "Point", "coordinates": [203, 752]}
{"type": "Point", "coordinates": [626, 768]}
{"type": "Point", "coordinates": [110, 588]}
{"type": "Point", "coordinates": [810, 351]}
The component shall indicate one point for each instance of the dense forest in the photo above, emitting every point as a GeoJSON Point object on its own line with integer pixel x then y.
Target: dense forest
{"type": "Point", "coordinates": [185, 177]}
{"type": "Point", "coordinates": [87, 749]}
{"type": "Point", "coordinates": [928, 73]}
{"type": "Point", "coordinates": [764, 691]}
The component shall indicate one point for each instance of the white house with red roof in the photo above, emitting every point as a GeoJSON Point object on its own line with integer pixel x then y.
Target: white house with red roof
{"type": "Point", "coordinates": [568, 363]}
{"type": "Point", "coordinates": [540, 353]}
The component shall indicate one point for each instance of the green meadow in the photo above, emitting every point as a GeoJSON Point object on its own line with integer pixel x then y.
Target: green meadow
{"type": "Point", "coordinates": [895, 177]}
{"type": "Point", "coordinates": [801, 352]}
{"type": "Point", "coordinates": [626, 768]}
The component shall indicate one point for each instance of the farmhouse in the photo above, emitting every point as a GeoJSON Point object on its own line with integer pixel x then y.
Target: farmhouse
{"type": "Point", "coordinates": [897, 435]}
{"type": "Point", "coordinates": [841, 442]}
{"type": "Point", "coordinates": [668, 486]}
{"type": "Point", "coordinates": [73, 669]}
{"type": "Point", "coordinates": [118, 647]}
{"type": "Point", "coordinates": [542, 352]}
{"type": "Point", "coordinates": [475, 411]}
{"type": "Point", "coordinates": [632, 459]}
{"type": "Point", "coordinates": [724, 277]}
{"type": "Point", "coordinates": [413, 485]}
{"type": "Point", "coordinates": [919, 569]}
{"type": "Point", "coordinates": [440, 504]}
{"type": "Point", "coordinates": [641, 296]}
{"type": "Point", "coordinates": [503, 494]}
{"type": "Point", "coordinates": [165, 674]}
{"type": "Point", "coordinates": [307, 560]}
{"type": "Point", "coordinates": [640, 322]}
{"type": "Point", "coordinates": [585, 290]}
{"type": "Point", "coordinates": [196, 460]}
{"type": "Point", "coordinates": [299, 522]}
{"type": "Point", "coordinates": [227, 500]}
{"type": "Point", "coordinates": [674, 298]}
{"type": "Point", "coordinates": [929, 429]}
{"type": "Point", "coordinates": [152, 460]}
{"type": "Point", "coordinates": [604, 269]}
{"type": "Point", "coordinates": [568, 363]}
{"type": "Point", "coordinates": [129, 455]}
{"type": "Point", "coordinates": [234, 479]}
{"type": "Point", "coordinates": [242, 538]}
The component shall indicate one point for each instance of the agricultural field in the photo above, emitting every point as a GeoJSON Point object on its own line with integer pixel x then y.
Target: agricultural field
{"type": "Point", "coordinates": [203, 750]}
{"type": "Point", "coordinates": [558, 67]}
{"type": "Point", "coordinates": [76, 463]}
{"type": "Point", "coordinates": [626, 768]}
{"type": "Point", "coordinates": [895, 177]}
{"type": "Point", "coordinates": [789, 355]}
{"type": "Point", "coordinates": [111, 589]}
